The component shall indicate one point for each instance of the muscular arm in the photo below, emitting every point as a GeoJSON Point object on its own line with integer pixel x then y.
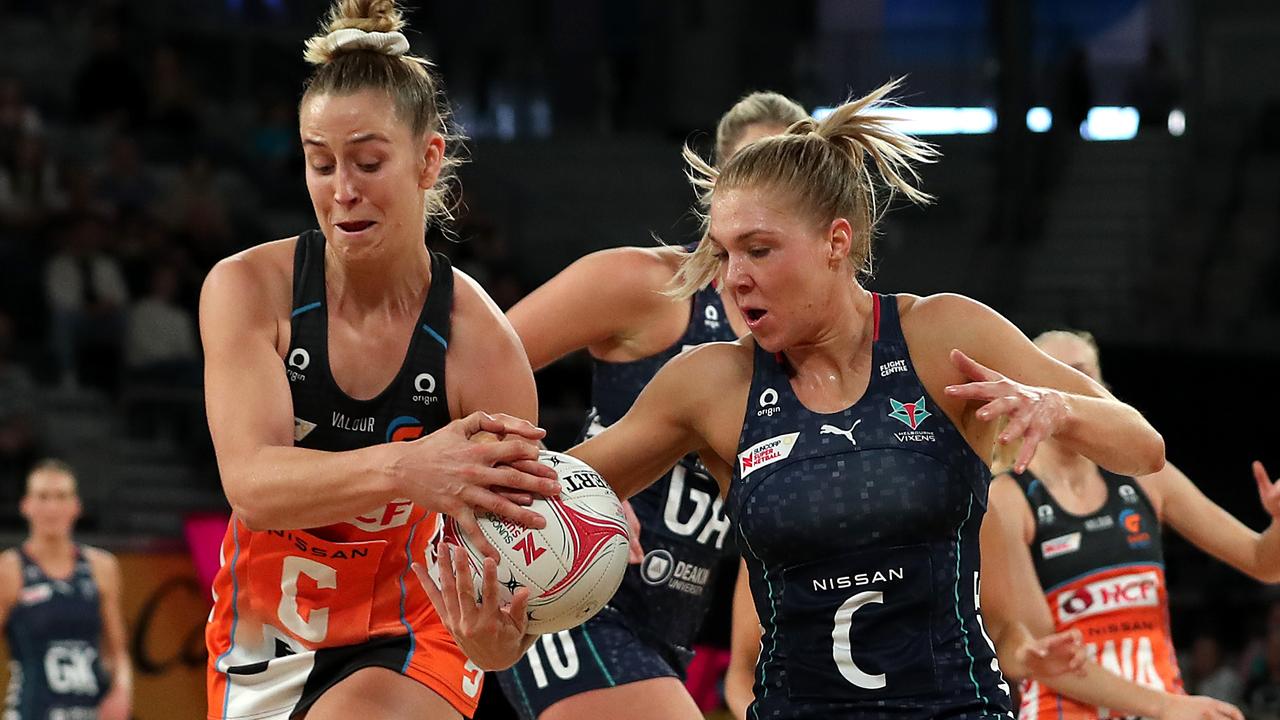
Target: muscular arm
{"type": "Point", "coordinates": [1092, 422]}
{"type": "Point", "coordinates": [487, 370]}
{"type": "Point", "coordinates": [270, 483]}
{"type": "Point", "coordinates": [613, 297]}
{"type": "Point", "coordinates": [744, 648]}
{"type": "Point", "coordinates": [1212, 529]}
{"type": "Point", "coordinates": [678, 412]}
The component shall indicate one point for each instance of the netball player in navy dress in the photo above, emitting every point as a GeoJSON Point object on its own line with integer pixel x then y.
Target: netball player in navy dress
{"type": "Point", "coordinates": [843, 431]}
{"type": "Point", "coordinates": [627, 661]}
{"type": "Point", "coordinates": [60, 609]}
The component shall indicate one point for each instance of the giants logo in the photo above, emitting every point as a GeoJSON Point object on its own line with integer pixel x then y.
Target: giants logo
{"type": "Point", "coordinates": [1118, 593]}
{"type": "Point", "coordinates": [404, 428]}
{"type": "Point", "coordinates": [530, 548]}
{"type": "Point", "coordinates": [1131, 521]}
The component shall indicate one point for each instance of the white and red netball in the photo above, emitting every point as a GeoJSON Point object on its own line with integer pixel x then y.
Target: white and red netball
{"type": "Point", "coordinates": [573, 566]}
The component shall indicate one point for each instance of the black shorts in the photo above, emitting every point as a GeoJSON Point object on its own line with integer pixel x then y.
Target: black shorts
{"type": "Point", "coordinates": [602, 653]}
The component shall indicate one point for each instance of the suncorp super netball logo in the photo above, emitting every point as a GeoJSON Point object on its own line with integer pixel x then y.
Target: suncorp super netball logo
{"type": "Point", "coordinates": [766, 452]}
{"type": "Point", "coordinates": [404, 428]}
{"type": "Point", "coordinates": [1122, 592]}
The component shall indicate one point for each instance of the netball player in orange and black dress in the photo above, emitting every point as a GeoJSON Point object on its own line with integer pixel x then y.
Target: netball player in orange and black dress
{"type": "Point", "coordinates": [322, 351]}
{"type": "Point", "coordinates": [1092, 538]}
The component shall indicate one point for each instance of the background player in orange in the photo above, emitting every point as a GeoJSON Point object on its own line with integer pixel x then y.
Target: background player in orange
{"type": "Point", "coordinates": [631, 657]}
{"type": "Point", "coordinates": [849, 462]}
{"type": "Point", "coordinates": [1091, 540]}
{"type": "Point", "coordinates": [323, 349]}
{"type": "Point", "coordinates": [60, 609]}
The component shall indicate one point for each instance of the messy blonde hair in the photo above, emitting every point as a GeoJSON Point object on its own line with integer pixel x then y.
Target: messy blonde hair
{"type": "Point", "coordinates": [407, 79]}
{"type": "Point", "coordinates": [757, 108]}
{"type": "Point", "coordinates": [822, 165]}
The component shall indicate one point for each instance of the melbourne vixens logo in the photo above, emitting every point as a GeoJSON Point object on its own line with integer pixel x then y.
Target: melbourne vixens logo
{"type": "Point", "coordinates": [911, 414]}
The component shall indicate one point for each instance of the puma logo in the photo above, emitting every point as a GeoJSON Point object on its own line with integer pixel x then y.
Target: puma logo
{"type": "Point", "coordinates": [833, 430]}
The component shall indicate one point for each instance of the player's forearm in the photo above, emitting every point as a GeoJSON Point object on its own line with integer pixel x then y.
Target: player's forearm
{"type": "Point", "coordinates": [1102, 688]}
{"type": "Point", "coordinates": [1266, 555]}
{"type": "Point", "coordinates": [1009, 638]}
{"type": "Point", "coordinates": [1112, 434]}
{"type": "Point", "coordinates": [286, 488]}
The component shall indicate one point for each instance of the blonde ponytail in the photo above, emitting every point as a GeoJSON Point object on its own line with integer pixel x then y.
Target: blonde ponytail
{"type": "Point", "coordinates": [822, 165]}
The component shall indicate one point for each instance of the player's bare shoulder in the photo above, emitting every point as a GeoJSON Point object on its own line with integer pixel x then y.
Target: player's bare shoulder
{"type": "Point", "coordinates": [104, 565]}
{"type": "Point", "coordinates": [925, 313]}
{"type": "Point", "coordinates": [711, 379]}
{"type": "Point", "coordinates": [653, 266]}
{"type": "Point", "coordinates": [933, 325]}
{"type": "Point", "coordinates": [249, 291]}
{"type": "Point", "coordinates": [10, 568]}
{"type": "Point", "coordinates": [263, 272]}
{"type": "Point", "coordinates": [472, 306]}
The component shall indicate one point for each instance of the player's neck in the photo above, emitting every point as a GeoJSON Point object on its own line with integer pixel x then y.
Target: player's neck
{"type": "Point", "coordinates": [839, 353]}
{"type": "Point", "coordinates": [50, 548]}
{"type": "Point", "coordinates": [395, 279]}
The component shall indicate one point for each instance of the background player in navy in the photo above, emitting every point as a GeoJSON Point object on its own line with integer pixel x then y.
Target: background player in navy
{"type": "Point", "coordinates": [320, 351]}
{"type": "Point", "coordinates": [627, 661]}
{"type": "Point", "coordinates": [843, 431]}
{"type": "Point", "coordinates": [1076, 530]}
{"type": "Point", "coordinates": [60, 608]}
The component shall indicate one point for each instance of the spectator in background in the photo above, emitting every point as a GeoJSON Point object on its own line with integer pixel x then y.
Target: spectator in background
{"type": "Point", "coordinates": [81, 193]}
{"type": "Point", "coordinates": [1208, 674]}
{"type": "Point", "coordinates": [273, 150]}
{"type": "Point", "coordinates": [173, 108]}
{"type": "Point", "coordinates": [107, 88]}
{"type": "Point", "coordinates": [17, 116]}
{"type": "Point", "coordinates": [30, 186]}
{"type": "Point", "coordinates": [160, 344]}
{"type": "Point", "coordinates": [1262, 692]}
{"type": "Point", "coordinates": [86, 293]}
{"type": "Point", "coordinates": [124, 183]}
{"type": "Point", "coordinates": [19, 422]}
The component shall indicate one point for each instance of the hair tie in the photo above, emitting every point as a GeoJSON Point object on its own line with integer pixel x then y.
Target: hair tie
{"type": "Point", "coordinates": [387, 43]}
